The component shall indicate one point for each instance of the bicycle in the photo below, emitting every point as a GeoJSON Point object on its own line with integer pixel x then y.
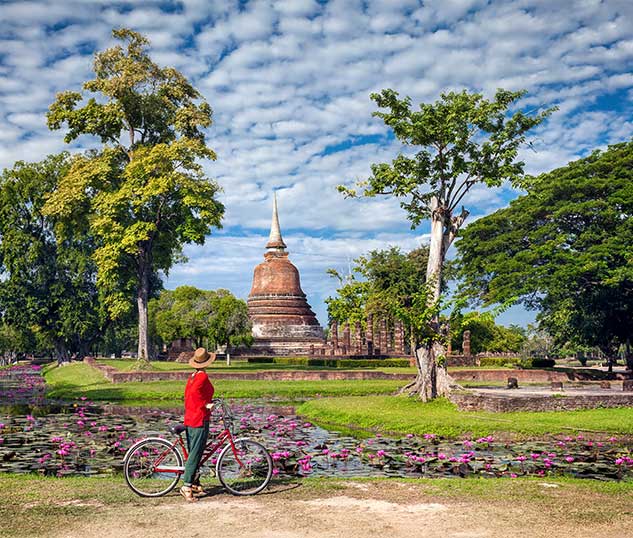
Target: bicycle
{"type": "Point", "coordinates": [153, 466]}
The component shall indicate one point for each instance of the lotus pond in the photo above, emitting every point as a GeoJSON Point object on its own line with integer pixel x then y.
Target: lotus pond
{"type": "Point", "coordinates": [83, 438]}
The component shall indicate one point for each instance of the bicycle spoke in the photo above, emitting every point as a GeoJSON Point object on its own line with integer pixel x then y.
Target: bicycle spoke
{"type": "Point", "coordinates": [247, 470]}
{"type": "Point", "coordinates": [152, 468]}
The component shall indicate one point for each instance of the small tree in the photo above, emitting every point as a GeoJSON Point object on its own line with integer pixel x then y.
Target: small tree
{"type": "Point", "coordinates": [230, 324]}
{"type": "Point", "coordinates": [464, 140]}
{"type": "Point", "coordinates": [185, 312]}
{"type": "Point", "coordinates": [144, 188]}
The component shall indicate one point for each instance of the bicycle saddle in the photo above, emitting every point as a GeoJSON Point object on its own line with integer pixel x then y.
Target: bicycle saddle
{"type": "Point", "coordinates": [177, 428]}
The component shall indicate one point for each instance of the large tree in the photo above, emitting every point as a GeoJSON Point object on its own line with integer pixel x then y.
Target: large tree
{"type": "Point", "coordinates": [564, 248]}
{"type": "Point", "coordinates": [144, 187]}
{"type": "Point", "coordinates": [47, 275]}
{"type": "Point", "coordinates": [462, 140]}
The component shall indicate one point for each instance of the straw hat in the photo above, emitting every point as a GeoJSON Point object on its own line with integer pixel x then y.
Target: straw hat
{"type": "Point", "coordinates": [201, 358]}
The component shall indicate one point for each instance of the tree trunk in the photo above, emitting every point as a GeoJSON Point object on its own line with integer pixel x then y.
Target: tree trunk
{"type": "Point", "coordinates": [61, 353]}
{"type": "Point", "coordinates": [628, 355]}
{"type": "Point", "coordinates": [142, 295]}
{"type": "Point", "coordinates": [432, 379]}
{"type": "Point", "coordinates": [435, 262]}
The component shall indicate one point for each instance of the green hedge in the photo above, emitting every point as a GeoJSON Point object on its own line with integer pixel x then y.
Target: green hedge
{"type": "Point", "coordinates": [332, 362]}
{"type": "Point", "coordinates": [539, 363]}
{"type": "Point", "coordinates": [499, 361]}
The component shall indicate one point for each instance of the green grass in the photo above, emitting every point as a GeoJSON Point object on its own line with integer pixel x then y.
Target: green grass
{"type": "Point", "coordinates": [33, 505]}
{"type": "Point", "coordinates": [404, 415]}
{"type": "Point", "coordinates": [43, 506]}
{"type": "Point", "coordinates": [78, 379]}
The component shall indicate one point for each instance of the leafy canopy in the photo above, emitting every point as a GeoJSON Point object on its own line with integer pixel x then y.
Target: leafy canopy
{"type": "Point", "coordinates": [145, 189]}
{"type": "Point", "coordinates": [381, 283]}
{"type": "Point", "coordinates": [47, 272]}
{"type": "Point", "coordinates": [200, 315]}
{"type": "Point", "coordinates": [565, 248]}
{"type": "Point", "coordinates": [463, 139]}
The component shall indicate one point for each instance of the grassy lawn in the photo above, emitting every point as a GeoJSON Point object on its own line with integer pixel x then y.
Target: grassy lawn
{"type": "Point", "coordinates": [404, 415]}
{"type": "Point", "coordinates": [79, 379]}
{"type": "Point", "coordinates": [38, 506]}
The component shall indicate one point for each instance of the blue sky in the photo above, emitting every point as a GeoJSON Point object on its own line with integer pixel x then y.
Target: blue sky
{"type": "Point", "coordinates": [289, 82]}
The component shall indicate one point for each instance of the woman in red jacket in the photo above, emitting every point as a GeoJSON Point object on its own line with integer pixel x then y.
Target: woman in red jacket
{"type": "Point", "coordinates": [198, 396]}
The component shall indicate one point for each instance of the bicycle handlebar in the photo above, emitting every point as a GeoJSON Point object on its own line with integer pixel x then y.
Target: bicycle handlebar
{"type": "Point", "coordinates": [227, 416]}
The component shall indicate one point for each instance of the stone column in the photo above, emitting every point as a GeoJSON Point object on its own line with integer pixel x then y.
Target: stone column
{"type": "Point", "coordinates": [358, 340]}
{"type": "Point", "coordinates": [346, 338]}
{"type": "Point", "coordinates": [398, 338]}
{"type": "Point", "coordinates": [384, 336]}
{"type": "Point", "coordinates": [466, 344]}
{"type": "Point", "coordinates": [378, 349]}
{"type": "Point", "coordinates": [334, 335]}
{"type": "Point", "coordinates": [369, 335]}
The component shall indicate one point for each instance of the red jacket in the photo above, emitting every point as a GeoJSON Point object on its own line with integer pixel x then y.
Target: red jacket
{"type": "Point", "coordinates": [198, 393]}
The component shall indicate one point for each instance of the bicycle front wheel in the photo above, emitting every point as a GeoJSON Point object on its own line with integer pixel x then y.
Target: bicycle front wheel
{"type": "Point", "coordinates": [153, 467]}
{"type": "Point", "coordinates": [247, 469]}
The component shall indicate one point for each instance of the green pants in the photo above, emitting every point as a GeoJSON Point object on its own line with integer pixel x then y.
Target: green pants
{"type": "Point", "coordinates": [196, 441]}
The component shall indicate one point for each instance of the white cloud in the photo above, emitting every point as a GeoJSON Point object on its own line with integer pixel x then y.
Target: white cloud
{"type": "Point", "coordinates": [289, 81]}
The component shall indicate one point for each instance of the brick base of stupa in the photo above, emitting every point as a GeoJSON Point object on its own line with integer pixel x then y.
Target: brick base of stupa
{"type": "Point", "coordinates": [282, 347]}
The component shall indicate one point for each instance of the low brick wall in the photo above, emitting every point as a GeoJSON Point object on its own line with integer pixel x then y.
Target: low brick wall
{"type": "Point", "coordinates": [503, 404]}
{"type": "Point", "coordinates": [461, 360]}
{"type": "Point", "coordinates": [113, 375]}
{"type": "Point", "coordinates": [534, 376]}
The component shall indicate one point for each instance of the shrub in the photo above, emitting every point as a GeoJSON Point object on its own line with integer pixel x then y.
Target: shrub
{"type": "Point", "coordinates": [537, 363]}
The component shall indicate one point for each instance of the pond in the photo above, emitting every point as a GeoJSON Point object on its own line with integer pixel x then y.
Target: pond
{"type": "Point", "coordinates": [83, 438]}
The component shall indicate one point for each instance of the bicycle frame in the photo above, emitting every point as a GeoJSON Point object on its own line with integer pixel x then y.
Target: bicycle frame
{"type": "Point", "coordinates": [212, 446]}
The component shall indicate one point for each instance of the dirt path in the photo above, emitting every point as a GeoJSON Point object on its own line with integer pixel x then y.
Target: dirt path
{"type": "Point", "coordinates": [384, 509]}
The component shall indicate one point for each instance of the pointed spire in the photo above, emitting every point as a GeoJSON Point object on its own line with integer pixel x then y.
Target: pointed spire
{"type": "Point", "coordinates": [275, 240]}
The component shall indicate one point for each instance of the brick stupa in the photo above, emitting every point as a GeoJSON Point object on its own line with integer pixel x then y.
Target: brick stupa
{"type": "Point", "coordinates": [283, 322]}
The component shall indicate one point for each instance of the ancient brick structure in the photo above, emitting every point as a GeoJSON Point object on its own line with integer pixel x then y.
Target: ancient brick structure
{"type": "Point", "coordinates": [283, 322]}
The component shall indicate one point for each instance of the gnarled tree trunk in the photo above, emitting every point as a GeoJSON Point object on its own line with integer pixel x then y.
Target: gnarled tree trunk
{"type": "Point", "coordinates": [432, 379]}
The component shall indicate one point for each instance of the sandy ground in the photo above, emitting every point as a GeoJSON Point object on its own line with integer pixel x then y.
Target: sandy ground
{"type": "Point", "coordinates": [390, 510]}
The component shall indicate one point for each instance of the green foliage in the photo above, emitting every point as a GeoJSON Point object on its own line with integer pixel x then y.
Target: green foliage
{"type": "Point", "coordinates": [47, 291]}
{"type": "Point", "coordinates": [188, 312]}
{"type": "Point", "coordinates": [387, 283]}
{"type": "Point", "coordinates": [230, 324]}
{"type": "Point", "coordinates": [146, 192]}
{"type": "Point", "coordinates": [536, 362]}
{"type": "Point", "coordinates": [462, 140]}
{"type": "Point", "coordinates": [485, 334]}
{"type": "Point", "coordinates": [182, 313]}
{"type": "Point", "coordinates": [566, 248]}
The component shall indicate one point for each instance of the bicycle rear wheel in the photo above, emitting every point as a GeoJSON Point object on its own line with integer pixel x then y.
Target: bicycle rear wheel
{"type": "Point", "coordinates": [246, 471]}
{"type": "Point", "coordinates": [153, 467]}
